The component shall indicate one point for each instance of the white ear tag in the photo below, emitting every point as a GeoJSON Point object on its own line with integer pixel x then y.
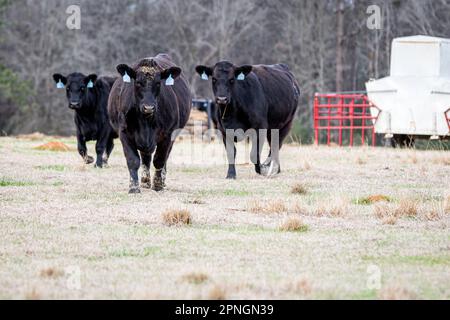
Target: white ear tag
{"type": "Point", "coordinates": [90, 84]}
{"type": "Point", "coordinates": [60, 85]}
{"type": "Point", "coordinates": [241, 76]}
{"type": "Point", "coordinates": [170, 81]}
{"type": "Point", "coordinates": [126, 78]}
{"type": "Point", "coordinates": [204, 76]}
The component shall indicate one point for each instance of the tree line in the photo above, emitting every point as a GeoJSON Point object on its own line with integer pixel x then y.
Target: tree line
{"type": "Point", "coordinates": [326, 43]}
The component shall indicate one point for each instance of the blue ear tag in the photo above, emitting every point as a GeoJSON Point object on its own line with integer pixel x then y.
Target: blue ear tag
{"type": "Point", "coordinates": [204, 76]}
{"type": "Point", "coordinates": [60, 85]}
{"type": "Point", "coordinates": [241, 76]}
{"type": "Point", "coordinates": [126, 78]}
{"type": "Point", "coordinates": [90, 84]}
{"type": "Point", "coordinates": [169, 81]}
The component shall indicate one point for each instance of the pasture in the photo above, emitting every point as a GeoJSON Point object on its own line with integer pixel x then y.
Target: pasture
{"type": "Point", "coordinates": [358, 223]}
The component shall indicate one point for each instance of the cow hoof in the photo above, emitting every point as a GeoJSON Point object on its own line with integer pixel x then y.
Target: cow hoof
{"type": "Point", "coordinates": [270, 170]}
{"type": "Point", "coordinates": [231, 177]}
{"type": "Point", "coordinates": [98, 166]}
{"type": "Point", "coordinates": [134, 190]}
{"type": "Point", "coordinates": [88, 159]}
{"type": "Point", "coordinates": [146, 184]}
{"type": "Point", "coordinates": [158, 184]}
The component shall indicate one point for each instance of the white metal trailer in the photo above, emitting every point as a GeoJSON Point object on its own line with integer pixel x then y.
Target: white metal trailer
{"type": "Point", "coordinates": [415, 99]}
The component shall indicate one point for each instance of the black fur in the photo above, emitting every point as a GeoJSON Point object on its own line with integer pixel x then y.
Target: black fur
{"type": "Point", "coordinates": [91, 117]}
{"type": "Point", "coordinates": [266, 99]}
{"type": "Point", "coordinates": [146, 113]}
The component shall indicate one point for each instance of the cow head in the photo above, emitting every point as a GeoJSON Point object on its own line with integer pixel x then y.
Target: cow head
{"type": "Point", "coordinates": [224, 77]}
{"type": "Point", "coordinates": [77, 87]}
{"type": "Point", "coordinates": [147, 79]}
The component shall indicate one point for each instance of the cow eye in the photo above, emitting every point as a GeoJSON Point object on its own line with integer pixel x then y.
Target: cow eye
{"type": "Point", "coordinates": [82, 89]}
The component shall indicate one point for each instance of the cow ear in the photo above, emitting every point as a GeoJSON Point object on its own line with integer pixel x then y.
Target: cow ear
{"type": "Point", "coordinates": [60, 80]}
{"type": "Point", "coordinates": [204, 72]}
{"type": "Point", "coordinates": [170, 74]}
{"type": "Point", "coordinates": [90, 80]}
{"type": "Point", "coordinates": [242, 72]}
{"type": "Point", "coordinates": [125, 71]}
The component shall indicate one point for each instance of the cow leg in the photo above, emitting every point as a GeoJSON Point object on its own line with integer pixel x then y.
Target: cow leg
{"type": "Point", "coordinates": [100, 147]}
{"type": "Point", "coordinates": [257, 145]}
{"type": "Point", "coordinates": [269, 156]}
{"type": "Point", "coordinates": [145, 176]}
{"type": "Point", "coordinates": [82, 149]}
{"type": "Point", "coordinates": [162, 153]}
{"type": "Point", "coordinates": [133, 162]}
{"type": "Point", "coordinates": [272, 166]}
{"type": "Point", "coordinates": [228, 141]}
{"type": "Point", "coordinates": [109, 149]}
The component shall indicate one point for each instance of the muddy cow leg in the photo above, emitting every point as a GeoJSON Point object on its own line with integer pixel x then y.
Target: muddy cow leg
{"type": "Point", "coordinates": [109, 149]}
{"type": "Point", "coordinates": [133, 162]}
{"type": "Point", "coordinates": [162, 153]}
{"type": "Point", "coordinates": [145, 175]}
{"type": "Point", "coordinates": [82, 149]}
{"type": "Point", "coordinates": [100, 148]}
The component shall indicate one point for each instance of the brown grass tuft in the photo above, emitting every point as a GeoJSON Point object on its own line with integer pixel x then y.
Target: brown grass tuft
{"type": "Point", "coordinates": [51, 273]}
{"type": "Point", "coordinates": [195, 277]}
{"type": "Point", "coordinates": [300, 209]}
{"type": "Point", "coordinates": [33, 295]}
{"type": "Point", "coordinates": [217, 293]}
{"type": "Point", "coordinates": [337, 209]}
{"type": "Point", "coordinates": [407, 208]}
{"type": "Point", "coordinates": [177, 217]}
{"type": "Point", "coordinates": [373, 199]}
{"type": "Point", "coordinates": [396, 293]}
{"type": "Point", "coordinates": [300, 189]}
{"type": "Point", "coordinates": [360, 161]}
{"type": "Point", "coordinates": [54, 146]}
{"type": "Point", "coordinates": [293, 225]}
{"type": "Point", "coordinates": [274, 206]}
{"type": "Point", "coordinates": [302, 286]}
{"type": "Point", "coordinates": [385, 213]}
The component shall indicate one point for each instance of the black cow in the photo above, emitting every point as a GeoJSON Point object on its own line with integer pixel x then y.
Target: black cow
{"type": "Point", "coordinates": [146, 107]}
{"type": "Point", "coordinates": [88, 97]}
{"type": "Point", "coordinates": [259, 98]}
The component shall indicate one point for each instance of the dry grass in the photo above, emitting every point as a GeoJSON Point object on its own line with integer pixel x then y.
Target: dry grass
{"type": "Point", "coordinates": [396, 293]}
{"type": "Point", "coordinates": [334, 208]}
{"type": "Point", "coordinates": [195, 277]}
{"type": "Point", "coordinates": [54, 146]}
{"type": "Point", "coordinates": [217, 293]}
{"type": "Point", "coordinates": [407, 208]}
{"type": "Point", "coordinates": [302, 286]}
{"type": "Point", "coordinates": [33, 295]}
{"type": "Point", "coordinates": [32, 136]}
{"type": "Point", "coordinates": [177, 217]}
{"type": "Point", "coordinates": [373, 199]}
{"type": "Point", "coordinates": [82, 216]}
{"type": "Point", "coordinates": [266, 207]}
{"type": "Point", "coordinates": [360, 161]}
{"type": "Point", "coordinates": [51, 273]}
{"type": "Point", "coordinates": [300, 189]}
{"type": "Point", "coordinates": [293, 224]}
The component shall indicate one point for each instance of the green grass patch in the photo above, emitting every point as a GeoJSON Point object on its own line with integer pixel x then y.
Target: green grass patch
{"type": "Point", "coordinates": [6, 182]}
{"type": "Point", "coordinates": [367, 201]}
{"type": "Point", "coordinates": [57, 167]}
{"type": "Point", "coordinates": [127, 253]}
{"type": "Point", "coordinates": [412, 260]}
{"type": "Point", "coordinates": [236, 193]}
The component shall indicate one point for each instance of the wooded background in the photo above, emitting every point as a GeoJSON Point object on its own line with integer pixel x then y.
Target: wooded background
{"type": "Point", "coordinates": [326, 43]}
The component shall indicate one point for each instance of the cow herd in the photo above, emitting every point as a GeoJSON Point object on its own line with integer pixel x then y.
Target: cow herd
{"type": "Point", "coordinates": [151, 101]}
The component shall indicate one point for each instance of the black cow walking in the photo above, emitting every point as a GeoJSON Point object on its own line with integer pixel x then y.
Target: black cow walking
{"type": "Point", "coordinates": [146, 107]}
{"type": "Point", "coordinates": [259, 98]}
{"type": "Point", "coordinates": [88, 97]}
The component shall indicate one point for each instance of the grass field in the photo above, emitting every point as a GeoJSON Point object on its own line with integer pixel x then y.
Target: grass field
{"type": "Point", "coordinates": [357, 223]}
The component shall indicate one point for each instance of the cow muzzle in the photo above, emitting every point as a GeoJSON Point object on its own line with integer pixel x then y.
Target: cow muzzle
{"type": "Point", "coordinates": [222, 100]}
{"type": "Point", "coordinates": [148, 110]}
{"type": "Point", "coordinates": [74, 105]}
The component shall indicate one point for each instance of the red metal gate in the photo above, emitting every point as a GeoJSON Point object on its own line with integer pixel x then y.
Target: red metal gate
{"type": "Point", "coordinates": [344, 114]}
